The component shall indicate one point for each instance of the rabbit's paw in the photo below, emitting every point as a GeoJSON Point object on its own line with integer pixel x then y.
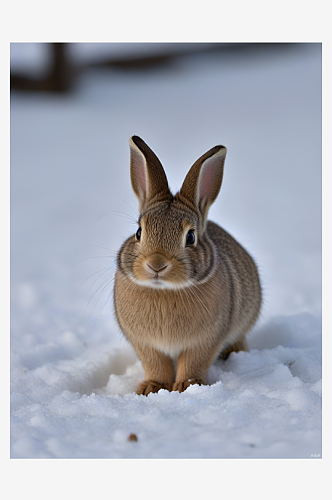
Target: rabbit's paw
{"type": "Point", "coordinates": [184, 384]}
{"type": "Point", "coordinates": [148, 386]}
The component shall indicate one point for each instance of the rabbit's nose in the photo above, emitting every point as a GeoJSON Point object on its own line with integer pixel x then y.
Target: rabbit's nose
{"type": "Point", "coordinates": [153, 268]}
{"type": "Point", "coordinates": [156, 263]}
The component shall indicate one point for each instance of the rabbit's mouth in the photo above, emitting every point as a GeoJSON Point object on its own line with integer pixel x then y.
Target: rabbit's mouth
{"type": "Point", "coordinates": [156, 277]}
{"type": "Point", "coordinates": [160, 271]}
{"type": "Point", "coordinates": [155, 270]}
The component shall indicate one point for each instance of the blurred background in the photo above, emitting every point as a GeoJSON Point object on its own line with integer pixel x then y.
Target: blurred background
{"type": "Point", "coordinates": [74, 107]}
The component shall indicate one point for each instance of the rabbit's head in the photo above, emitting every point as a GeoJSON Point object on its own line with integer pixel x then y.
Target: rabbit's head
{"type": "Point", "coordinates": [171, 248]}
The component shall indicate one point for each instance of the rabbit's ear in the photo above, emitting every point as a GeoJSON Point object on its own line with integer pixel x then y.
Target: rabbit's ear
{"type": "Point", "coordinates": [203, 181]}
{"type": "Point", "coordinates": [148, 178]}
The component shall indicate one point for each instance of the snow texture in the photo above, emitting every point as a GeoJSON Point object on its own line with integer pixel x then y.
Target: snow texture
{"type": "Point", "coordinates": [73, 377]}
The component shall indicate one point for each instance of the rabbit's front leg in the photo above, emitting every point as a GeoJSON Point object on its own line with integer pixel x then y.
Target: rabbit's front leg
{"type": "Point", "coordinates": [192, 367]}
{"type": "Point", "coordinates": [159, 370]}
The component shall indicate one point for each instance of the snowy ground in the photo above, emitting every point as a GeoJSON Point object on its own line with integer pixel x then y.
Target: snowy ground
{"type": "Point", "coordinates": [73, 377]}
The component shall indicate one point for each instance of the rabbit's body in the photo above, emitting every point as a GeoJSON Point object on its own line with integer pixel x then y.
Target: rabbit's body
{"type": "Point", "coordinates": [182, 300]}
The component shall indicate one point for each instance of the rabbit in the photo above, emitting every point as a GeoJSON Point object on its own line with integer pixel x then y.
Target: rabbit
{"type": "Point", "coordinates": [185, 291]}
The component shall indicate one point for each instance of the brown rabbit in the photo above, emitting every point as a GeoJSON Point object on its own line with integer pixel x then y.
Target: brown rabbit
{"type": "Point", "coordinates": [185, 291]}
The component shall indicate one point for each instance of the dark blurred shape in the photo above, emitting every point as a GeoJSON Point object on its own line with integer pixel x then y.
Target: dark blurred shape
{"type": "Point", "coordinates": [60, 79]}
{"type": "Point", "coordinates": [64, 71]}
{"type": "Point", "coordinates": [180, 50]}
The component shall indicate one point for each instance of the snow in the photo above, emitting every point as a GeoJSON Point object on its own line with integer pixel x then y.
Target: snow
{"type": "Point", "coordinates": [73, 376]}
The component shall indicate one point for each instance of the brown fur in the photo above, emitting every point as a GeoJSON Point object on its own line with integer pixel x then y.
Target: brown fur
{"type": "Point", "coordinates": [182, 306]}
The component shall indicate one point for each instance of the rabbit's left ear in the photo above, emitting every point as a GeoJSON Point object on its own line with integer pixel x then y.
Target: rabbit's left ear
{"type": "Point", "coordinates": [203, 181]}
{"type": "Point", "coordinates": [148, 178]}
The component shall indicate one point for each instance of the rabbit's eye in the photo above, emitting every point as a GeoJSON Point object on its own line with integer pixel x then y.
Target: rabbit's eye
{"type": "Point", "coordinates": [138, 234]}
{"type": "Point", "coordinates": [190, 237]}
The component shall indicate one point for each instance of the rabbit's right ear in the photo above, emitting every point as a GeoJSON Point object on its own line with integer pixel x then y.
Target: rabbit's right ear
{"type": "Point", "coordinates": [203, 181]}
{"type": "Point", "coordinates": [148, 178]}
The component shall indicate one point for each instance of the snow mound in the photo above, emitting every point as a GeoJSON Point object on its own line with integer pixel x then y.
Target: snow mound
{"type": "Point", "coordinates": [265, 403]}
